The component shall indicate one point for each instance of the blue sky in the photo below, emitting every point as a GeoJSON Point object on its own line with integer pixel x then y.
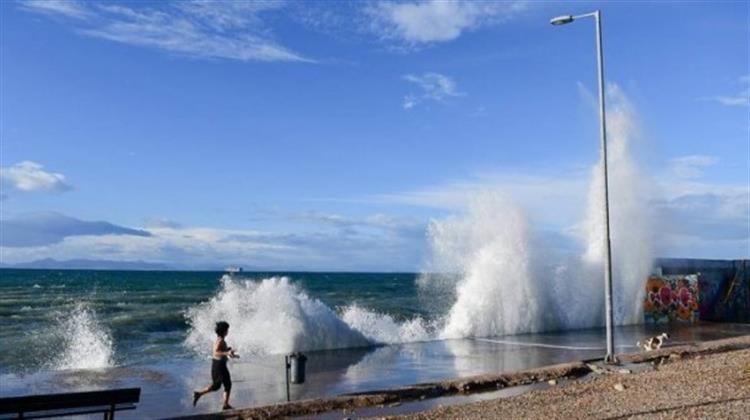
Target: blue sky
{"type": "Point", "coordinates": [327, 135]}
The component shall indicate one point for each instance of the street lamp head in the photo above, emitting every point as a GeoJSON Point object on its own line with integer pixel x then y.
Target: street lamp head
{"type": "Point", "coordinates": [561, 20]}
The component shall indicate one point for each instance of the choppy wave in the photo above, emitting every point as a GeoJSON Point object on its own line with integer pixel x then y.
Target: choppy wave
{"type": "Point", "coordinates": [383, 328]}
{"type": "Point", "coordinates": [276, 316]}
{"type": "Point", "coordinates": [271, 316]}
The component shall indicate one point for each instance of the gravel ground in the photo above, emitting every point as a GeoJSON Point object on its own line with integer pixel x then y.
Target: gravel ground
{"type": "Point", "coordinates": [713, 386]}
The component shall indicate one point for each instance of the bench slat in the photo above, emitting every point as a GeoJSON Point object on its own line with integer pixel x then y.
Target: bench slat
{"type": "Point", "coordinates": [32, 403]}
{"type": "Point", "coordinates": [65, 413]}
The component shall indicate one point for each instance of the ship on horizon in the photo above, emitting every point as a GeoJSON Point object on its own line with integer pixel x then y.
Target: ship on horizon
{"type": "Point", "coordinates": [233, 269]}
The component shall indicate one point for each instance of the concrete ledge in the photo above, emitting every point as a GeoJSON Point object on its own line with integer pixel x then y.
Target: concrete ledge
{"type": "Point", "coordinates": [479, 383]}
{"type": "Point", "coordinates": [485, 382]}
{"type": "Point", "coordinates": [298, 408]}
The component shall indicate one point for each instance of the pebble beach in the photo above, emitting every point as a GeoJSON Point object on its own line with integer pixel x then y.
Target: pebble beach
{"type": "Point", "coordinates": [711, 386]}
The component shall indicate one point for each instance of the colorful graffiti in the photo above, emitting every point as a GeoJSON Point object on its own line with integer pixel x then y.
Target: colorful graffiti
{"type": "Point", "coordinates": [671, 298]}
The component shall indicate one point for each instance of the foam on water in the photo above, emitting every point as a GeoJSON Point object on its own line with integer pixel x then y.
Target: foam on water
{"type": "Point", "coordinates": [382, 328]}
{"type": "Point", "coordinates": [84, 342]}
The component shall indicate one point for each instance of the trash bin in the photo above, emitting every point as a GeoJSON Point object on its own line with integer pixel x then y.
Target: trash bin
{"type": "Point", "coordinates": [297, 367]}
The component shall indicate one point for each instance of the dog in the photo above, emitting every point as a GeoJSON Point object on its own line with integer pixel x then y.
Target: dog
{"type": "Point", "coordinates": [653, 343]}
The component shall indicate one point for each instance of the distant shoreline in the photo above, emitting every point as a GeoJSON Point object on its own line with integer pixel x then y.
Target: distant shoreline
{"type": "Point", "coordinates": [200, 270]}
{"type": "Point", "coordinates": [107, 265]}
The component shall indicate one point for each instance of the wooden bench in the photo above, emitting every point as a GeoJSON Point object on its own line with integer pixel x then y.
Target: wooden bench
{"type": "Point", "coordinates": [56, 405]}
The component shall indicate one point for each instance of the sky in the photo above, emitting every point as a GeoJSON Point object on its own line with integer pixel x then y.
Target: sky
{"type": "Point", "coordinates": [329, 135]}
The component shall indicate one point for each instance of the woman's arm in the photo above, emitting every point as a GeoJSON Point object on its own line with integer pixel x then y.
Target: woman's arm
{"type": "Point", "coordinates": [221, 353]}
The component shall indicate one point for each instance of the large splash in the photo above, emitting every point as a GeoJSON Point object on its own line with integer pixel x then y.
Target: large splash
{"type": "Point", "coordinates": [81, 342]}
{"type": "Point", "coordinates": [506, 282]}
{"type": "Point", "coordinates": [490, 249]}
{"type": "Point", "coordinates": [491, 273]}
{"type": "Point", "coordinates": [275, 316]}
{"type": "Point", "coordinates": [632, 220]}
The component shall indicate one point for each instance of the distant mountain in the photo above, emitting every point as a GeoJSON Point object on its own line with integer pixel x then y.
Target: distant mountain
{"type": "Point", "coordinates": [81, 264]}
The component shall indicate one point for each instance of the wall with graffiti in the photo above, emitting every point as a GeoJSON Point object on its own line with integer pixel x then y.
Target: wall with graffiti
{"type": "Point", "coordinates": [686, 290]}
{"type": "Point", "coordinates": [672, 298]}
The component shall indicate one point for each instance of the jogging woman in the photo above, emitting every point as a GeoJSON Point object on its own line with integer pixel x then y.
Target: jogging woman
{"type": "Point", "coordinates": [219, 371]}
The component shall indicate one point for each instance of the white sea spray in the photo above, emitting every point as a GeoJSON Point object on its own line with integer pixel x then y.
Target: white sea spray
{"type": "Point", "coordinates": [488, 274]}
{"type": "Point", "coordinates": [84, 342]}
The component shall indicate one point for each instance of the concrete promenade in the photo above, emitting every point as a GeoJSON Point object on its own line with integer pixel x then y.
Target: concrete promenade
{"type": "Point", "coordinates": [721, 364]}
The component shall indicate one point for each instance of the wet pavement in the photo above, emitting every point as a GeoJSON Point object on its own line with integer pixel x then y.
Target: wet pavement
{"type": "Point", "coordinates": [423, 405]}
{"type": "Point", "coordinates": [167, 388]}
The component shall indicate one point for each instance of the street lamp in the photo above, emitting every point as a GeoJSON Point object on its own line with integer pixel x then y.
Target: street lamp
{"type": "Point", "coordinates": [562, 20]}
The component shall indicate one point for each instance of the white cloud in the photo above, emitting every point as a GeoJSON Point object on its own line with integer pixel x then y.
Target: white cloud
{"type": "Point", "coordinates": [437, 20]}
{"type": "Point", "coordinates": [67, 8]}
{"type": "Point", "coordinates": [31, 176]}
{"type": "Point", "coordinates": [695, 219]}
{"type": "Point", "coordinates": [374, 222]}
{"type": "Point", "coordinates": [410, 101]}
{"type": "Point", "coordinates": [236, 30]}
{"type": "Point", "coordinates": [433, 87]}
{"type": "Point", "coordinates": [742, 98]}
{"type": "Point", "coordinates": [704, 220]}
{"type": "Point", "coordinates": [698, 218]}
{"type": "Point", "coordinates": [229, 14]}
{"type": "Point", "coordinates": [555, 198]}
{"type": "Point", "coordinates": [327, 242]}
{"type": "Point", "coordinates": [202, 29]}
{"type": "Point", "coordinates": [691, 166]}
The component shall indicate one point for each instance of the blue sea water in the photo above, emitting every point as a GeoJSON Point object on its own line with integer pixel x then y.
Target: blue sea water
{"type": "Point", "coordinates": [122, 318]}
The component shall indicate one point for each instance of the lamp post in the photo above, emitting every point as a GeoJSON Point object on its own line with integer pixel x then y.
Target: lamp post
{"type": "Point", "coordinates": [562, 20]}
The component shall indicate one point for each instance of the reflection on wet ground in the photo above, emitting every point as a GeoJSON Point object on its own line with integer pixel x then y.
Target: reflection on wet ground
{"type": "Point", "coordinates": [166, 388]}
{"type": "Point", "coordinates": [426, 404]}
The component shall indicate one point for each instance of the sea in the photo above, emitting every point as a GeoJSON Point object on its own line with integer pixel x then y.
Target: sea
{"type": "Point", "coordinates": [79, 319]}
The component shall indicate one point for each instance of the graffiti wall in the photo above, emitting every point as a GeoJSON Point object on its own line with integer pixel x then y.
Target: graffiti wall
{"type": "Point", "coordinates": [672, 298]}
{"type": "Point", "coordinates": [719, 288]}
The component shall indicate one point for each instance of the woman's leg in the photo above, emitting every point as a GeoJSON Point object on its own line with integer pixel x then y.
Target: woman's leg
{"type": "Point", "coordinates": [216, 384]}
{"type": "Point", "coordinates": [206, 390]}
{"type": "Point", "coordinates": [227, 382]}
{"type": "Point", "coordinates": [198, 394]}
{"type": "Point", "coordinates": [226, 399]}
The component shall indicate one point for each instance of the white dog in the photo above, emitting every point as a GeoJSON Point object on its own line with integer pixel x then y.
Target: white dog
{"type": "Point", "coordinates": [653, 343]}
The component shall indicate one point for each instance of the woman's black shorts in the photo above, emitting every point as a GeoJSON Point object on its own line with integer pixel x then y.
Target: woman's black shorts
{"type": "Point", "coordinates": [220, 375]}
